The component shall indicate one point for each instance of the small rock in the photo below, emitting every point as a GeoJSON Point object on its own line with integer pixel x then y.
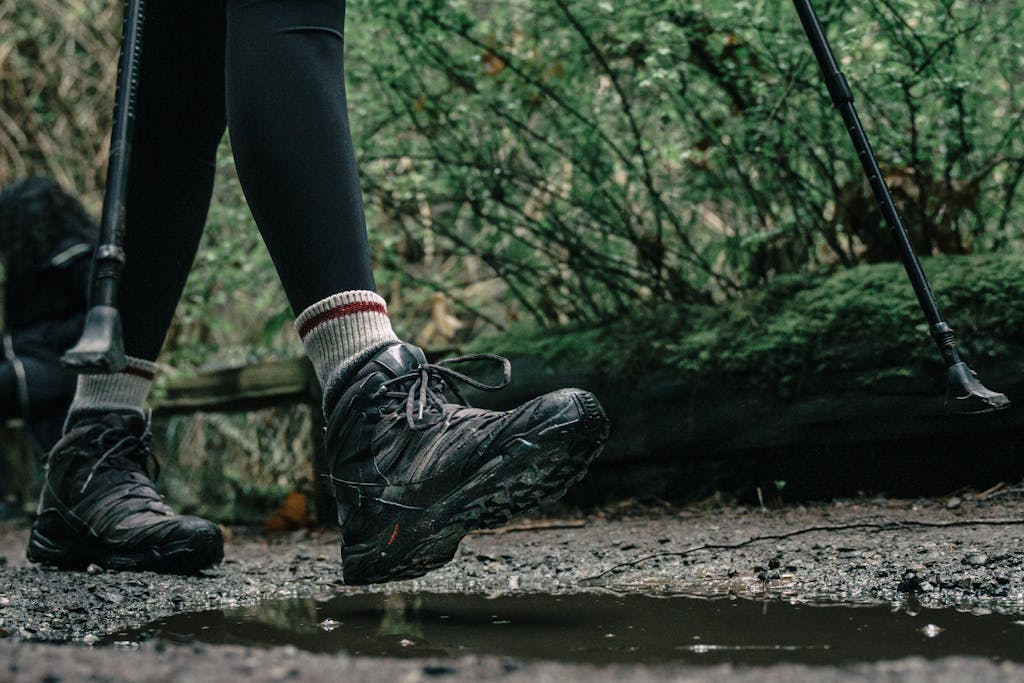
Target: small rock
{"type": "Point", "coordinates": [910, 583]}
{"type": "Point", "coordinates": [953, 503]}
{"type": "Point", "coordinates": [94, 569]}
{"type": "Point", "coordinates": [976, 560]}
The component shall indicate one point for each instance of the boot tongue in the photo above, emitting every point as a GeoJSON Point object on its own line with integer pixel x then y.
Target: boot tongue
{"type": "Point", "coordinates": [399, 359]}
{"type": "Point", "coordinates": [131, 422]}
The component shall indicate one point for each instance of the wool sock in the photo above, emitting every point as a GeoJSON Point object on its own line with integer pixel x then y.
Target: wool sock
{"type": "Point", "coordinates": [341, 333]}
{"type": "Point", "coordinates": [123, 391]}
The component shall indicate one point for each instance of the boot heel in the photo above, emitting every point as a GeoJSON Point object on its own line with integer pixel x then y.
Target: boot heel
{"type": "Point", "coordinates": [51, 543]}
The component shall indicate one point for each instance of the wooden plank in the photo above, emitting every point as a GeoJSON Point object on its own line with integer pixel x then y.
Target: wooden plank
{"type": "Point", "coordinates": [271, 382]}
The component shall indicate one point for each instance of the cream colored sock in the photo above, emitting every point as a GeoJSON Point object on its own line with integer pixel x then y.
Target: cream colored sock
{"type": "Point", "coordinates": [123, 391]}
{"type": "Point", "coordinates": [341, 333]}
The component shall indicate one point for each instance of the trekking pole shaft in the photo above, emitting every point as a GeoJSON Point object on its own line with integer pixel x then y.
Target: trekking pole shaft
{"type": "Point", "coordinates": [100, 349]}
{"type": "Point", "coordinates": [842, 98]}
{"type": "Point", "coordinates": [108, 261]}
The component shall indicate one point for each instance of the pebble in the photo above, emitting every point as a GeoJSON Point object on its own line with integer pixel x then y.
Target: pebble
{"type": "Point", "coordinates": [94, 569]}
{"type": "Point", "coordinates": [976, 560]}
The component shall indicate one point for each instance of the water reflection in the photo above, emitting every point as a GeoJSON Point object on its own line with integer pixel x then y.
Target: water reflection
{"type": "Point", "coordinates": [597, 629]}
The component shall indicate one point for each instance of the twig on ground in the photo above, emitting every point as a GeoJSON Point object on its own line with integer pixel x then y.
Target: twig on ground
{"type": "Point", "coordinates": [989, 492]}
{"type": "Point", "coordinates": [889, 526]}
{"type": "Point", "coordinates": [541, 525]}
{"type": "Point", "coordinates": [1006, 492]}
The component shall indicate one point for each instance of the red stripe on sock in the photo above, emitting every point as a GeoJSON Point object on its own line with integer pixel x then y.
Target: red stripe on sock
{"type": "Point", "coordinates": [341, 312]}
{"type": "Point", "coordinates": [139, 372]}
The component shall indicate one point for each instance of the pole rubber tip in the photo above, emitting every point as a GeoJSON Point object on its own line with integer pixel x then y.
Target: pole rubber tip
{"type": "Point", "coordinates": [100, 349]}
{"type": "Point", "coordinates": [965, 395]}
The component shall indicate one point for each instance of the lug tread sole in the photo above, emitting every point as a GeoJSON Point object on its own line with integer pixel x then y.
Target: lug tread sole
{"type": "Point", "coordinates": [186, 556]}
{"type": "Point", "coordinates": [476, 506]}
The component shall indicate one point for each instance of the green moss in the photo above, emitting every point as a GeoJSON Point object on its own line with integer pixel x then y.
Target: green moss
{"type": "Point", "coordinates": [858, 320]}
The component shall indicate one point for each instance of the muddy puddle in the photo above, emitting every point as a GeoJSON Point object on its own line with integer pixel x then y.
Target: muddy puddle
{"type": "Point", "coordinates": [594, 629]}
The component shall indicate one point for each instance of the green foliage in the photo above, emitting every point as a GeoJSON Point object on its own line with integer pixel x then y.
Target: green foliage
{"type": "Point", "coordinates": [599, 157]}
{"type": "Point", "coordinates": [559, 162]}
{"type": "Point", "coordinates": [57, 66]}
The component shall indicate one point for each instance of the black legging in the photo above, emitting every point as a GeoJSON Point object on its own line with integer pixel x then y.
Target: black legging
{"type": "Point", "coordinates": [273, 71]}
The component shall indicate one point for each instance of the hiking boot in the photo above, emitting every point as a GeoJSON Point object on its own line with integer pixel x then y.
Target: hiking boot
{"type": "Point", "coordinates": [98, 506]}
{"type": "Point", "coordinates": [412, 473]}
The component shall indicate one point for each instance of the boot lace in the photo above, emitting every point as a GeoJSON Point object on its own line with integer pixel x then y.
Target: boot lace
{"type": "Point", "coordinates": [427, 383]}
{"type": "Point", "coordinates": [123, 450]}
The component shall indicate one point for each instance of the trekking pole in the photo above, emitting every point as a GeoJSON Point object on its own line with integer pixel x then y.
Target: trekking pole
{"type": "Point", "coordinates": [100, 349]}
{"type": "Point", "coordinates": [964, 392]}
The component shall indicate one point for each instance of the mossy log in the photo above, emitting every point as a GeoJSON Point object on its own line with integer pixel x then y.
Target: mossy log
{"type": "Point", "coordinates": [831, 385]}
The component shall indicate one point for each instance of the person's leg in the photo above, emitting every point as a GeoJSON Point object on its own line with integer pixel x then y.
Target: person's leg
{"type": "Point", "coordinates": [98, 504]}
{"type": "Point", "coordinates": [288, 121]}
{"type": "Point", "coordinates": [179, 122]}
{"type": "Point", "coordinates": [412, 473]}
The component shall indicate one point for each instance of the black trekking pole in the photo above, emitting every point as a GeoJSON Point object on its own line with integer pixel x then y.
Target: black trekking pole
{"type": "Point", "coordinates": [964, 392]}
{"type": "Point", "coordinates": [100, 349]}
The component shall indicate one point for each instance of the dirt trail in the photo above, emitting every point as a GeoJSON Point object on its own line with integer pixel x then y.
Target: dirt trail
{"type": "Point", "coordinates": [959, 552]}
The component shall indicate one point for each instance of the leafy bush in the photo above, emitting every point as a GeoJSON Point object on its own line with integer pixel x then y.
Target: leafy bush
{"type": "Point", "coordinates": [560, 162]}
{"type": "Point", "coordinates": [603, 156]}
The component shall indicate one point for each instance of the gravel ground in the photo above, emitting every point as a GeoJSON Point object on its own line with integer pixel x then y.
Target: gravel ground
{"type": "Point", "coordinates": [957, 552]}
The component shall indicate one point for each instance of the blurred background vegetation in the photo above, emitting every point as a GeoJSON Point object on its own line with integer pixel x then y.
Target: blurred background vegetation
{"type": "Point", "coordinates": [555, 162]}
{"type": "Point", "coordinates": [545, 163]}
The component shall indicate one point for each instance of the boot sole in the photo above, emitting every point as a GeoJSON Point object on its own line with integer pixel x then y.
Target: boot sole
{"type": "Point", "coordinates": [516, 481]}
{"type": "Point", "coordinates": [185, 556]}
